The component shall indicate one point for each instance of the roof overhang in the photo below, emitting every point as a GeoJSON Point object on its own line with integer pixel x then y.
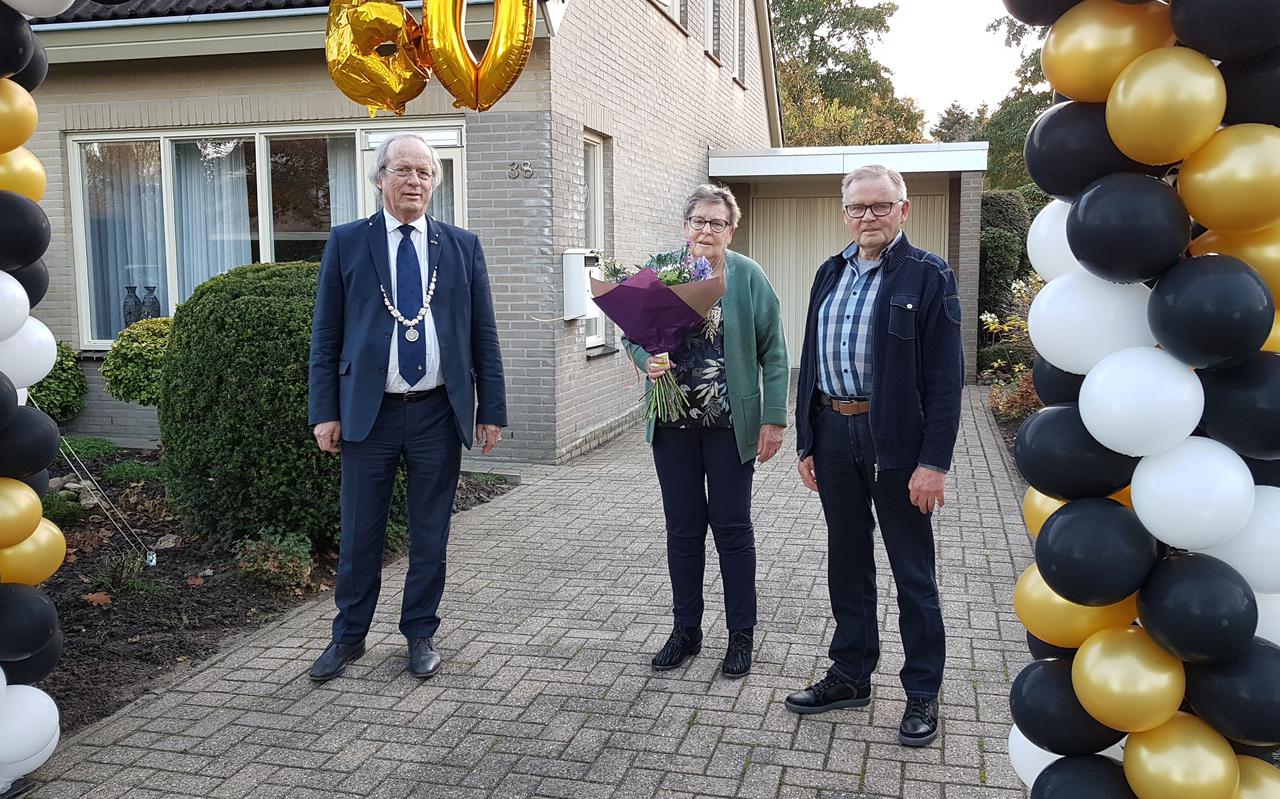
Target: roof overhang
{"type": "Point", "coordinates": [234, 33]}
{"type": "Point", "coordinates": [800, 162]}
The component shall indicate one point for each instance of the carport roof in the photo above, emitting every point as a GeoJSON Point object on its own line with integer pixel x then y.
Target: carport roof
{"type": "Point", "coordinates": [792, 162]}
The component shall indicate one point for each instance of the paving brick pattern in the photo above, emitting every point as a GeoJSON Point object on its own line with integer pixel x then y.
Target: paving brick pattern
{"type": "Point", "coordinates": [557, 597]}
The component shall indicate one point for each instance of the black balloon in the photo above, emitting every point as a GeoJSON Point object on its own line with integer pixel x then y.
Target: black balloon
{"type": "Point", "coordinates": [17, 44]}
{"type": "Point", "coordinates": [36, 70]}
{"type": "Point", "coordinates": [28, 444]}
{"type": "Point", "coordinates": [1128, 228]}
{"type": "Point", "coordinates": [1053, 385]}
{"type": "Point", "coordinates": [8, 400]}
{"type": "Point", "coordinates": [34, 279]}
{"type": "Point", "coordinates": [1069, 147]}
{"type": "Point", "coordinates": [35, 668]}
{"type": "Point", "coordinates": [1260, 752]}
{"type": "Point", "coordinates": [1040, 650]}
{"type": "Point", "coordinates": [1253, 84]}
{"type": "Point", "coordinates": [1198, 608]}
{"type": "Point", "coordinates": [1227, 29]}
{"type": "Point", "coordinates": [1038, 12]}
{"type": "Point", "coordinates": [1242, 405]}
{"type": "Point", "coordinates": [1094, 551]}
{"type": "Point", "coordinates": [1265, 473]}
{"type": "Point", "coordinates": [24, 229]}
{"type": "Point", "coordinates": [1091, 776]}
{"type": "Point", "coordinates": [1211, 311]}
{"type": "Point", "coordinates": [28, 621]}
{"type": "Point", "coordinates": [39, 482]}
{"type": "Point", "coordinates": [1240, 697]}
{"type": "Point", "coordinates": [1056, 454]}
{"type": "Point", "coordinates": [1046, 710]}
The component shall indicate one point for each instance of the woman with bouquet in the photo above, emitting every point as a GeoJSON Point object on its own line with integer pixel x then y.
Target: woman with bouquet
{"type": "Point", "coordinates": [732, 376]}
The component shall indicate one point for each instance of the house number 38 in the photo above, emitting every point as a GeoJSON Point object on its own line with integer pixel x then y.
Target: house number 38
{"type": "Point", "coordinates": [520, 169]}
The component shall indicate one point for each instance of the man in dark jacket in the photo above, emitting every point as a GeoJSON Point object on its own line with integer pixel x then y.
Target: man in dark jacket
{"type": "Point", "coordinates": [877, 410]}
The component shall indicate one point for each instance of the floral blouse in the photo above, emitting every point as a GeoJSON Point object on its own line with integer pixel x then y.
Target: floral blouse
{"type": "Point", "coordinates": [698, 366]}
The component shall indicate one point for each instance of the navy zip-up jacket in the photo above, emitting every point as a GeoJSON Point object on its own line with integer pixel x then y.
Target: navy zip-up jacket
{"type": "Point", "coordinates": [917, 363]}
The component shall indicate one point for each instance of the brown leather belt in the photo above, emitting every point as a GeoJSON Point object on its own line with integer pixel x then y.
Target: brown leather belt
{"type": "Point", "coordinates": [844, 407]}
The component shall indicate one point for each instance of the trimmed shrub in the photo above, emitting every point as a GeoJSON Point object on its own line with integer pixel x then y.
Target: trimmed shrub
{"type": "Point", "coordinates": [61, 393]}
{"type": "Point", "coordinates": [1006, 210]}
{"type": "Point", "coordinates": [1001, 264]}
{"type": "Point", "coordinates": [1034, 197]}
{"type": "Point", "coordinates": [1016, 400]}
{"type": "Point", "coordinates": [131, 370]}
{"type": "Point", "coordinates": [238, 453]}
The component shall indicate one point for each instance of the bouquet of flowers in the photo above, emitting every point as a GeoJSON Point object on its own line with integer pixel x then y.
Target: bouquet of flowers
{"type": "Point", "coordinates": [656, 306]}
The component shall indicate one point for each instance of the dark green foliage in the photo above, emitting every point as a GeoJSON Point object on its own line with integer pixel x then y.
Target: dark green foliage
{"type": "Point", "coordinates": [279, 559]}
{"type": "Point", "coordinates": [1006, 210]}
{"type": "Point", "coordinates": [1035, 198]}
{"type": "Point", "coordinates": [131, 371]}
{"type": "Point", "coordinates": [126, 472]}
{"type": "Point", "coordinates": [89, 447]}
{"type": "Point", "coordinates": [61, 393]}
{"type": "Point", "coordinates": [1001, 258]}
{"type": "Point", "coordinates": [62, 511]}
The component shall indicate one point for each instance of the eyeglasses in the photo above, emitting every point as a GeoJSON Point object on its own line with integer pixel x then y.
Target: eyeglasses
{"type": "Point", "coordinates": [716, 225]}
{"type": "Point", "coordinates": [425, 175]}
{"type": "Point", "coordinates": [877, 209]}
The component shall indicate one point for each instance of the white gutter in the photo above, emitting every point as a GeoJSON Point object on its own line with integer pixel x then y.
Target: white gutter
{"type": "Point", "coordinates": [768, 66]}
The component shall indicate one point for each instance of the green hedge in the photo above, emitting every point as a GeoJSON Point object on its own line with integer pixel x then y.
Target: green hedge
{"type": "Point", "coordinates": [1034, 197]}
{"type": "Point", "coordinates": [238, 452]}
{"type": "Point", "coordinates": [1001, 258]}
{"type": "Point", "coordinates": [61, 393]}
{"type": "Point", "coordinates": [1006, 210]}
{"type": "Point", "coordinates": [131, 371]}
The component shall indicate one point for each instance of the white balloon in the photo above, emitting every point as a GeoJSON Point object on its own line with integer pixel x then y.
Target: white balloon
{"type": "Point", "coordinates": [1194, 496]}
{"type": "Point", "coordinates": [15, 307]}
{"type": "Point", "coordinates": [1028, 759]}
{"type": "Point", "coordinates": [22, 396]}
{"type": "Point", "coordinates": [12, 771]}
{"type": "Point", "coordinates": [1255, 550]}
{"type": "Point", "coordinates": [1078, 319]}
{"type": "Point", "coordinates": [1269, 617]}
{"type": "Point", "coordinates": [28, 721]}
{"type": "Point", "coordinates": [1140, 401]}
{"type": "Point", "coordinates": [39, 8]}
{"type": "Point", "coordinates": [1047, 243]}
{"type": "Point", "coordinates": [4, 683]}
{"type": "Point", "coordinates": [28, 355]}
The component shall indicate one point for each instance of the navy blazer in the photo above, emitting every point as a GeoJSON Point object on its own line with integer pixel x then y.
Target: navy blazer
{"type": "Point", "coordinates": [351, 333]}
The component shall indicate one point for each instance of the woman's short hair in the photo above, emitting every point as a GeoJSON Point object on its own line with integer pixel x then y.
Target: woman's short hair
{"type": "Point", "coordinates": [708, 193]}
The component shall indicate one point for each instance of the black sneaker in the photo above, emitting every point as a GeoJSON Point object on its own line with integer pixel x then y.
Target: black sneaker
{"type": "Point", "coordinates": [683, 643]}
{"type": "Point", "coordinates": [919, 723]}
{"type": "Point", "coordinates": [829, 693]}
{"type": "Point", "coordinates": [737, 660]}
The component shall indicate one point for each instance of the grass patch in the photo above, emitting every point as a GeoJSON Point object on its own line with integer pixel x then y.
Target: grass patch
{"type": "Point", "coordinates": [121, 573]}
{"type": "Point", "coordinates": [62, 511]}
{"type": "Point", "coordinates": [90, 447]}
{"type": "Point", "coordinates": [128, 472]}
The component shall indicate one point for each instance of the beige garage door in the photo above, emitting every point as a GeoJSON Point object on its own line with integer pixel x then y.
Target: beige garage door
{"type": "Point", "coordinates": [791, 237]}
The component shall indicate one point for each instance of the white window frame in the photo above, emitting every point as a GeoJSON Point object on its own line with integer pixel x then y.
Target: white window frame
{"type": "Point", "coordinates": [447, 135]}
{"type": "Point", "coordinates": [739, 40]}
{"type": "Point", "coordinates": [593, 154]}
{"type": "Point", "coordinates": [711, 23]}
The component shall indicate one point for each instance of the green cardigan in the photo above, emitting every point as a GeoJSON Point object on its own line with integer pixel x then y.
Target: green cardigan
{"type": "Point", "coordinates": [755, 353]}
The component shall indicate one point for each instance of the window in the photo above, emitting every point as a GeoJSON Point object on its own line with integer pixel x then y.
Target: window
{"type": "Point", "coordinates": [740, 45]}
{"type": "Point", "coordinates": [711, 30]}
{"type": "Point", "coordinates": [593, 225]}
{"type": "Point", "coordinates": [160, 213]}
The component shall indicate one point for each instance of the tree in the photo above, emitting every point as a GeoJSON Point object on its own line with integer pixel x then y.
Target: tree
{"type": "Point", "coordinates": [958, 123]}
{"type": "Point", "coordinates": [833, 91]}
{"type": "Point", "coordinates": [1006, 129]}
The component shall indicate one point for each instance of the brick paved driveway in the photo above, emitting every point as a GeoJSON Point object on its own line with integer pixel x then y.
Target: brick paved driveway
{"type": "Point", "coordinates": [557, 597]}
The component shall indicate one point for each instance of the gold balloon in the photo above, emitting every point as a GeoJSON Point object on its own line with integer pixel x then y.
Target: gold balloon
{"type": "Point", "coordinates": [21, 172]}
{"type": "Point", "coordinates": [1036, 509]}
{"type": "Point", "coordinates": [18, 115]}
{"type": "Point", "coordinates": [20, 511]}
{"type": "Point", "coordinates": [1057, 621]}
{"type": "Point", "coordinates": [1258, 780]}
{"type": "Point", "coordinates": [36, 559]}
{"type": "Point", "coordinates": [1126, 681]}
{"type": "Point", "coordinates": [1166, 105]}
{"type": "Point", "coordinates": [1259, 249]}
{"type": "Point", "coordinates": [1181, 759]}
{"type": "Point", "coordinates": [1232, 184]}
{"type": "Point", "coordinates": [374, 52]}
{"type": "Point", "coordinates": [1124, 496]}
{"type": "Point", "coordinates": [478, 84]}
{"type": "Point", "coordinates": [1090, 45]}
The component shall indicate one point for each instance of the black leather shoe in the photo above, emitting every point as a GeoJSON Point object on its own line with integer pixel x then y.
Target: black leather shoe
{"type": "Point", "coordinates": [737, 660]}
{"type": "Point", "coordinates": [333, 661]}
{"type": "Point", "coordinates": [683, 643]}
{"type": "Point", "coordinates": [919, 723]}
{"type": "Point", "coordinates": [424, 660]}
{"type": "Point", "coordinates": [829, 693]}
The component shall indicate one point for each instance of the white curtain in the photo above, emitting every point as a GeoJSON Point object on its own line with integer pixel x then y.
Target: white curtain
{"type": "Point", "coordinates": [342, 180]}
{"type": "Point", "coordinates": [211, 194]}
{"type": "Point", "coordinates": [125, 228]}
{"type": "Point", "coordinates": [441, 206]}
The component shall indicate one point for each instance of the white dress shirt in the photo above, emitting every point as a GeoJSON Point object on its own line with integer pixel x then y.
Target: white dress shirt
{"type": "Point", "coordinates": [427, 328]}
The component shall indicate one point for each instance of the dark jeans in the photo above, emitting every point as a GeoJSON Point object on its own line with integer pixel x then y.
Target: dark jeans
{"type": "Point", "coordinates": [705, 482]}
{"type": "Point", "coordinates": [424, 435]}
{"type": "Point", "coordinates": [844, 463]}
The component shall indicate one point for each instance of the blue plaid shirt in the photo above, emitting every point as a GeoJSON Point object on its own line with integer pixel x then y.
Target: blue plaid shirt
{"type": "Point", "coordinates": [844, 329]}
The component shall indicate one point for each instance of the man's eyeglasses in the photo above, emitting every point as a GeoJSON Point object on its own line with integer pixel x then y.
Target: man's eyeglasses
{"type": "Point", "coordinates": [716, 225]}
{"type": "Point", "coordinates": [877, 209]}
{"type": "Point", "coordinates": [425, 175]}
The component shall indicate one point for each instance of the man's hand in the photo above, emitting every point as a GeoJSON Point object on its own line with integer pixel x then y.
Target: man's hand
{"type": "Point", "coordinates": [488, 436]}
{"type": "Point", "coordinates": [657, 367]}
{"type": "Point", "coordinates": [770, 441]}
{"type": "Point", "coordinates": [329, 436]}
{"type": "Point", "coordinates": [926, 489]}
{"type": "Point", "coordinates": [807, 474]}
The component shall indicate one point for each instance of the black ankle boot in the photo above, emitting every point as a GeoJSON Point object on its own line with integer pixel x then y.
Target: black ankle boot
{"type": "Point", "coordinates": [737, 660]}
{"type": "Point", "coordinates": [684, 642]}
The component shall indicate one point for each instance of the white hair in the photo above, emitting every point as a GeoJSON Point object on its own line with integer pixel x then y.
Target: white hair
{"type": "Point", "coordinates": [874, 172]}
{"type": "Point", "coordinates": [708, 193]}
{"type": "Point", "coordinates": [381, 156]}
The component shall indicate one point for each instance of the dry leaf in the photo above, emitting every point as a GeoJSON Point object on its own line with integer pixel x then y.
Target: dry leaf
{"type": "Point", "coordinates": [71, 556]}
{"type": "Point", "coordinates": [195, 581]}
{"type": "Point", "coordinates": [97, 598]}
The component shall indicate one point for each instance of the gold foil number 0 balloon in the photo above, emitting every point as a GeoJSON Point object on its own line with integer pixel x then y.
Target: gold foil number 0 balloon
{"type": "Point", "coordinates": [478, 84]}
{"type": "Point", "coordinates": [375, 54]}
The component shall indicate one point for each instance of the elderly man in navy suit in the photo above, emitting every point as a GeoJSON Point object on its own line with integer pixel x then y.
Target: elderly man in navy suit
{"type": "Point", "coordinates": [405, 364]}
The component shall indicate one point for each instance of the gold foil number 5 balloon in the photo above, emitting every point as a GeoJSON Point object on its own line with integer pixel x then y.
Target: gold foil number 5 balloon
{"type": "Point", "coordinates": [478, 84]}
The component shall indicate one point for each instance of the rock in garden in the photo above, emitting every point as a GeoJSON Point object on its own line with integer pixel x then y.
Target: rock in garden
{"type": "Point", "coordinates": [168, 541]}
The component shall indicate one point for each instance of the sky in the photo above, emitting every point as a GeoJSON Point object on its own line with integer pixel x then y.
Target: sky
{"type": "Point", "coordinates": [939, 51]}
